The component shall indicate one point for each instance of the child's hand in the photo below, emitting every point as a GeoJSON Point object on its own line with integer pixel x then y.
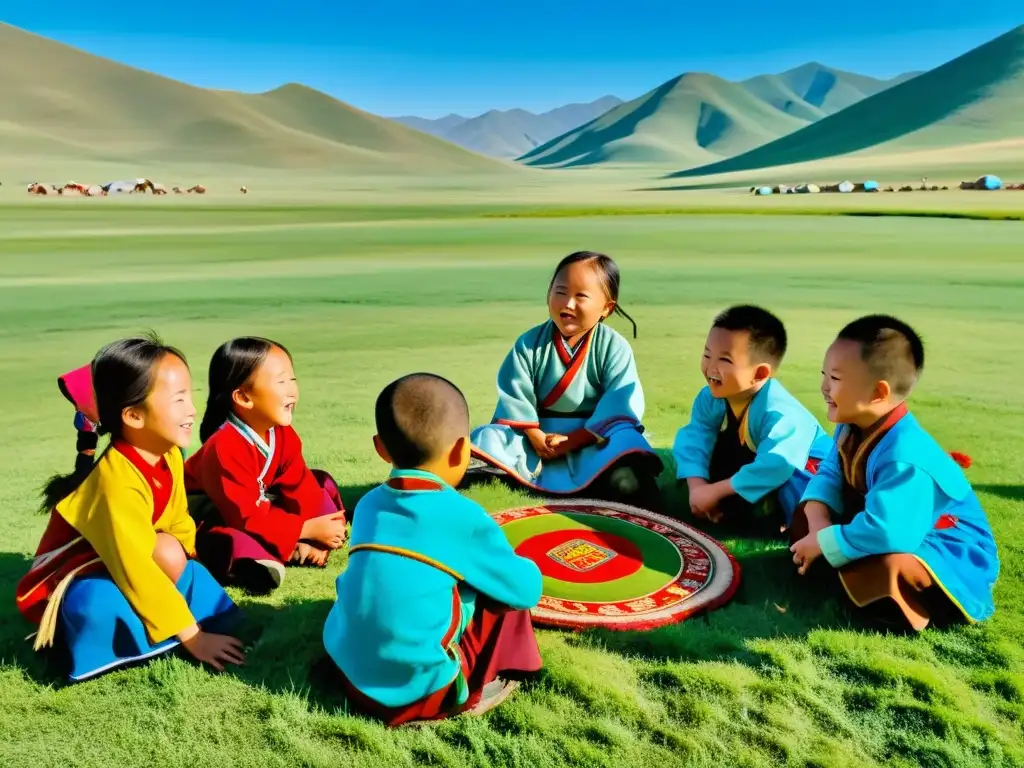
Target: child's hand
{"type": "Point", "coordinates": [704, 501]}
{"type": "Point", "coordinates": [328, 530]}
{"type": "Point", "coordinates": [542, 443]}
{"type": "Point", "coordinates": [805, 552]}
{"type": "Point", "coordinates": [310, 554]}
{"type": "Point", "coordinates": [215, 650]}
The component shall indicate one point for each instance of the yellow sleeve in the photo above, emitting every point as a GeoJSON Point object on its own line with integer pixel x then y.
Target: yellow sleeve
{"type": "Point", "coordinates": [114, 512]}
{"type": "Point", "coordinates": [176, 520]}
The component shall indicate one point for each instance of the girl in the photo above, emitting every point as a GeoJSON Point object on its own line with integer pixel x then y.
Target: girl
{"type": "Point", "coordinates": [257, 503]}
{"type": "Point", "coordinates": [112, 580]}
{"type": "Point", "coordinates": [570, 403]}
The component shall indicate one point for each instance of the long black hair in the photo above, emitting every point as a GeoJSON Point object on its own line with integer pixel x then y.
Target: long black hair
{"type": "Point", "coordinates": [123, 374]}
{"type": "Point", "coordinates": [606, 268]}
{"type": "Point", "coordinates": [231, 367]}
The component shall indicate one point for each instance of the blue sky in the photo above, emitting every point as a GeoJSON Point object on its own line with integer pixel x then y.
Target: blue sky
{"type": "Point", "coordinates": [429, 59]}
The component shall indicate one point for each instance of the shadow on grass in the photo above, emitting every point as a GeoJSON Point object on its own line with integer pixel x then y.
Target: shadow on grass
{"type": "Point", "coordinates": [351, 494]}
{"type": "Point", "coordinates": [285, 652]}
{"type": "Point", "coordinates": [14, 648]}
{"type": "Point", "coordinates": [1010, 492]}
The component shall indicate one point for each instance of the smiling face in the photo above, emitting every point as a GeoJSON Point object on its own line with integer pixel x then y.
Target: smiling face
{"type": "Point", "coordinates": [269, 398]}
{"type": "Point", "coordinates": [166, 418]}
{"type": "Point", "coordinates": [853, 395]}
{"type": "Point", "coordinates": [727, 365]}
{"type": "Point", "coordinates": [578, 299]}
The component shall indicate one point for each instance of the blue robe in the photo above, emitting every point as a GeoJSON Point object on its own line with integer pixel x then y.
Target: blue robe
{"type": "Point", "coordinates": [419, 555]}
{"type": "Point", "coordinates": [779, 432]}
{"type": "Point", "coordinates": [593, 391]}
{"type": "Point", "coordinates": [918, 502]}
{"type": "Point", "coordinates": [103, 633]}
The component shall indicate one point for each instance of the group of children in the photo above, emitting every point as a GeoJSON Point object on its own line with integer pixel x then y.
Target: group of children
{"type": "Point", "coordinates": [432, 612]}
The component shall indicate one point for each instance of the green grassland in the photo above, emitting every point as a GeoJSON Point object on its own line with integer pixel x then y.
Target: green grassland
{"type": "Point", "coordinates": [363, 290]}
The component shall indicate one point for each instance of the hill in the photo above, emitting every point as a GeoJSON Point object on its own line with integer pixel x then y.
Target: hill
{"type": "Point", "coordinates": [693, 118]}
{"type": "Point", "coordinates": [510, 133]}
{"type": "Point", "coordinates": [56, 100]}
{"type": "Point", "coordinates": [813, 91]}
{"type": "Point", "coordinates": [975, 98]}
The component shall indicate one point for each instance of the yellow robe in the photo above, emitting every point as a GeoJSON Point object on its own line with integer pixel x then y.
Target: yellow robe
{"type": "Point", "coordinates": [113, 511]}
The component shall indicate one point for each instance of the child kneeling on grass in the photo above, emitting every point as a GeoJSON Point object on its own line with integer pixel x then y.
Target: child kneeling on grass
{"type": "Point", "coordinates": [432, 616]}
{"type": "Point", "coordinates": [113, 581]}
{"type": "Point", "coordinates": [889, 509]}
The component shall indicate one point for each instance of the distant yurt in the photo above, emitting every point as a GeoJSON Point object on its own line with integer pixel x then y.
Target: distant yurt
{"type": "Point", "coordinates": [764, 190]}
{"type": "Point", "coordinates": [988, 182]}
{"type": "Point", "coordinates": [870, 186]}
{"type": "Point", "coordinates": [845, 186]}
{"type": "Point", "coordinates": [805, 189]}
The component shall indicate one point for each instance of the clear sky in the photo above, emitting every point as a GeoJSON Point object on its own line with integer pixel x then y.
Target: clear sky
{"type": "Point", "coordinates": [467, 56]}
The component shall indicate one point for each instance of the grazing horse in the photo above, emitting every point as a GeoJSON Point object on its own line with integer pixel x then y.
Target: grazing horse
{"type": "Point", "coordinates": [141, 185]}
{"type": "Point", "coordinates": [158, 189]}
{"type": "Point", "coordinates": [199, 189]}
{"type": "Point", "coordinates": [244, 190]}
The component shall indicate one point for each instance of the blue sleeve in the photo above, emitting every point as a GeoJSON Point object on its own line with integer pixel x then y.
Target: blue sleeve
{"type": "Point", "coordinates": [899, 511]}
{"type": "Point", "coordinates": [827, 485]}
{"type": "Point", "coordinates": [517, 396]}
{"type": "Point", "coordinates": [493, 568]}
{"type": "Point", "coordinates": [695, 442]}
{"type": "Point", "coordinates": [623, 398]}
{"type": "Point", "coordinates": [783, 445]}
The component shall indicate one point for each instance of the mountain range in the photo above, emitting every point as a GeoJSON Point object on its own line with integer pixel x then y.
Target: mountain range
{"type": "Point", "coordinates": [696, 118]}
{"type": "Point", "coordinates": [976, 98]}
{"type": "Point", "coordinates": [60, 102]}
{"type": "Point", "coordinates": [510, 133]}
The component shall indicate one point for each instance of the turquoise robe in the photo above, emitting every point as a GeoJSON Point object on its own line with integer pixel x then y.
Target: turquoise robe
{"type": "Point", "coordinates": [591, 394]}
{"type": "Point", "coordinates": [918, 502]}
{"type": "Point", "coordinates": [776, 426]}
{"type": "Point", "coordinates": [420, 553]}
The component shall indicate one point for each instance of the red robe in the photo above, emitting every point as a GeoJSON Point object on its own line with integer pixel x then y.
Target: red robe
{"type": "Point", "coordinates": [227, 469]}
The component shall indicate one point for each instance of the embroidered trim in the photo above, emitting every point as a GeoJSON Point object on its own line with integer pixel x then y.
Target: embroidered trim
{"type": "Point", "coordinates": [409, 554]}
{"type": "Point", "coordinates": [265, 449]}
{"type": "Point", "coordinates": [574, 364]}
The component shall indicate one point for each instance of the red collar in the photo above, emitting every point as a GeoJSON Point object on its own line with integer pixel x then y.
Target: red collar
{"type": "Point", "coordinates": [149, 471]}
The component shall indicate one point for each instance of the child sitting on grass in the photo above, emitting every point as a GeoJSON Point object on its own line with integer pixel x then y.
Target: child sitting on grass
{"type": "Point", "coordinates": [257, 503]}
{"type": "Point", "coordinates": [889, 509]}
{"type": "Point", "coordinates": [113, 582]}
{"type": "Point", "coordinates": [748, 438]}
{"type": "Point", "coordinates": [432, 610]}
{"type": "Point", "coordinates": [570, 405]}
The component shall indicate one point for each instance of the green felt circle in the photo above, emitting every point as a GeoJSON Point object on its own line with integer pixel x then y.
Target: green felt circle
{"type": "Point", "coordinates": [662, 560]}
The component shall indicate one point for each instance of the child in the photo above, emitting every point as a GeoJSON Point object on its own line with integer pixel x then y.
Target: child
{"type": "Point", "coordinates": [748, 438]}
{"type": "Point", "coordinates": [433, 606]}
{"type": "Point", "coordinates": [257, 503]}
{"type": "Point", "coordinates": [889, 509]}
{"type": "Point", "coordinates": [112, 581]}
{"type": "Point", "coordinates": [570, 403]}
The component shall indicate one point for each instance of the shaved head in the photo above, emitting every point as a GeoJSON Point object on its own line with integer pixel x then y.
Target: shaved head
{"type": "Point", "coordinates": [419, 417]}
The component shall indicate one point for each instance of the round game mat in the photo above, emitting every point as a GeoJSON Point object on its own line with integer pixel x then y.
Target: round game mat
{"type": "Point", "coordinates": [611, 565]}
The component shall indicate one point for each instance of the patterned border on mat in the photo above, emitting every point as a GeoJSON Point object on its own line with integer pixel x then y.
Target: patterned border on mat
{"type": "Point", "coordinates": [708, 579]}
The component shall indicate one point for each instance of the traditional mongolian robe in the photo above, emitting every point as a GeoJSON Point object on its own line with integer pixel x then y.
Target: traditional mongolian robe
{"type": "Point", "coordinates": [251, 497]}
{"type": "Point", "coordinates": [591, 394]}
{"type": "Point", "coordinates": [94, 587]}
{"type": "Point", "coordinates": [773, 447]}
{"type": "Point", "coordinates": [906, 522]}
{"type": "Point", "coordinates": [433, 604]}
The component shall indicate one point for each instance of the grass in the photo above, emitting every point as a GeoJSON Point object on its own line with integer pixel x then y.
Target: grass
{"type": "Point", "coordinates": [783, 675]}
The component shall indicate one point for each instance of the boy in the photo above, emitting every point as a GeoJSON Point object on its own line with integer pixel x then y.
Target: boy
{"type": "Point", "coordinates": [748, 438]}
{"type": "Point", "coordinates": [889, 509]}
{"type": "Point", "coordinates": [433, 606]}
